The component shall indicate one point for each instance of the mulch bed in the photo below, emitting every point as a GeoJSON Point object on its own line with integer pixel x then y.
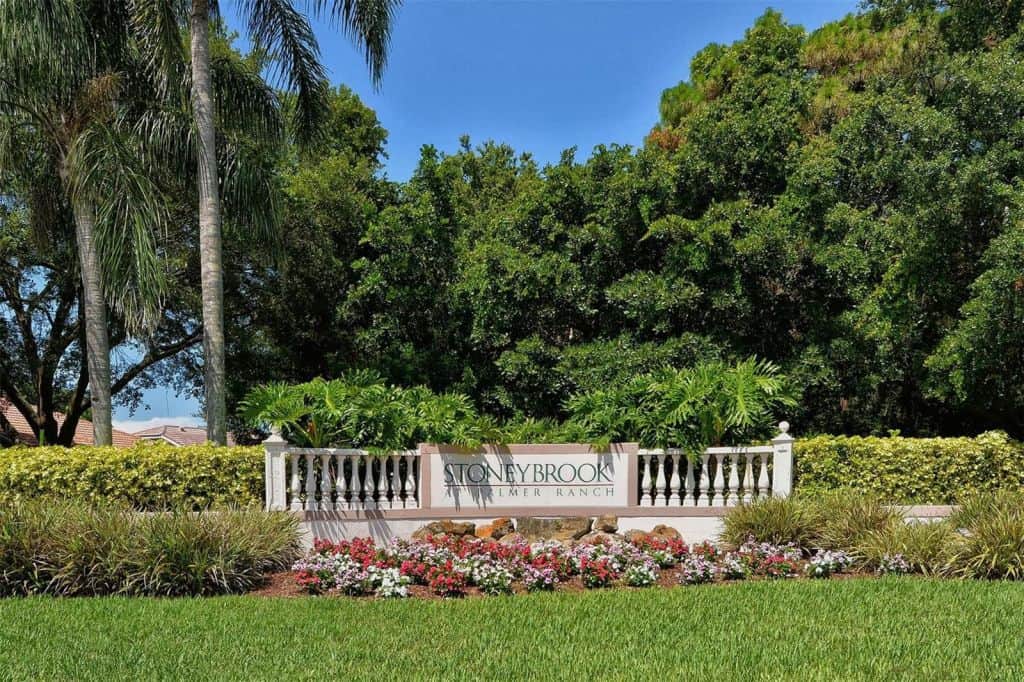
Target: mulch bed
{"type": "Point", "coordinates": [283, 585]}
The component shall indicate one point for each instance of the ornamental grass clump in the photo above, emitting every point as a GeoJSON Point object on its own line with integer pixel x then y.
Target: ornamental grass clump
{"type": "Point", "coordinates": [924, 547]}
{"type": "Point", "coordinates": [777, 520]}
{"type": "Point", "coordinates": [990, 543]}
{"type": "Point", "coordinates": [65, 548]}
{"type": "Point", "coordinates": [846, 518]}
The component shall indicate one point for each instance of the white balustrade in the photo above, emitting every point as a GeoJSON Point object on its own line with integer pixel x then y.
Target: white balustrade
{"type": "Point", "coordinates": [307, 479]}
{"type": "Point", "coordinates": [720, 476]}
{"type": "Point", "coordinates": [339, 479]}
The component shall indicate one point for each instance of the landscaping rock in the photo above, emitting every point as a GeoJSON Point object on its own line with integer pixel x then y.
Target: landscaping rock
{"type": "Point", "coordinates": [661, 532]}
{"type": "Point", "coordinates": [563, 529]}
{"type": "Point", "coordinates": [496, 529]}
{"type": "Point", "coordinates": [512, 539]}
{"type": "Point", "coordinates": [445, 527]}
{"type": "Point", "coordinates": [666, 532]}
{"type": "Point", "coordinates": [634, 534]}
{"type": "Point", "coordinates": [599, 538]}
{"type": "Point", "coordinates": [606, 523]}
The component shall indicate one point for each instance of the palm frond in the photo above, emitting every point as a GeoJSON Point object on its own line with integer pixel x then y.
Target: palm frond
{"type": "Point", "coordinates": [368, 23]}
{"type": "Point", "coordinates": [44, 44]}
{"type": "Point", "coordinates": [107, 169]}
{"type": "Point", "coordinates": [245, 102]}
{"type": "Point", "coordinates": [157, 26]}
{"type": "Point", "coordinates": [279, 28]}
{"type": "Point", "coordinates": [251, 191]}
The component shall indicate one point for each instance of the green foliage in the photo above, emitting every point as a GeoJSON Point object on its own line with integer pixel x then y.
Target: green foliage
{"type": "Point", "coordinates": [147, 476]}
{"type": "Point", "coordinates": [991, 542]}
{"type": "Point", "coordinates": [361, 411]}
{"type": "Point", "coordinates": [66, 548]}
{"type": "Point", "coordinates": [846, 519]}
{"type": "Point", "coordinates": [898, 629]}
{"type": "Point", "coordinates": [909, 470]}
{"type": "Point", "coordinates": [708, 404]}
{"type": "Point", "coordinates": [925, 546]}
{"type": "Point", "coordinates": [772, 519]}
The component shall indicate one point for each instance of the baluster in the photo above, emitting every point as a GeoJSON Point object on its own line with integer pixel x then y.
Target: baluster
{"type": "Point", "coordinates": [704, 492]}
{"type": "Point", "coordinates": [373, 472]}
{"type": "Point", "coordinates": [395, 485]}
{"type": "Point", "coordinates": [357, 464]}
{"type": "Point", "coordinates": [734, 480]}
{"type": "Point", "coordinates": [310, 482]}
{"type": "Point", "coordinates": [648, 473]}
{"type": "Point", "coordinates": [641, 460]}
{"type": "Point", "coordinates": [344, 481]}
{"type": "Point", "coordinates": [748, 478]}
{"type": "Point", "coordinates": [326, 487]}
{"type": "Point", "coordinates": [717, 500]}
{"type": "Point", "coordinates": [409, 487]}
{"type": "Point", "coordinates": [691, 485]}
{"type": "Point", "coordinates": [296, 490]}
{"type": "Point", "coordinates": [660, 494]}
{"type": "Point", "coordinates": [674, 483]}
{"type": "Point", "coordinates": [763, 489]}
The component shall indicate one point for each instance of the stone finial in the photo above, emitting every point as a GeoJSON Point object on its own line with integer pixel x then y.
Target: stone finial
{"type": "Point", "coordinates": [783, 427]}
{"type": "Point", "coordinates": [275, 436]}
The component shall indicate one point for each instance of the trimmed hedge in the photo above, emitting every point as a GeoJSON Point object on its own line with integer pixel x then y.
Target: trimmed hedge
{"type": "Point", "coordinates": [147, 476]}
{"type": "Point", "coordinates": [153, 476]}
{"type": "Point", "coordinates": [909, 470]}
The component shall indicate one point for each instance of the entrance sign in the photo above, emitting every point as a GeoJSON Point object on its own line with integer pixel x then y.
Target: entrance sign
{"type": "Point", "coordinates": [514, 476]}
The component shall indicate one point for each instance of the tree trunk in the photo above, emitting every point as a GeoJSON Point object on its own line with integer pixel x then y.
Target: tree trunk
{"type": "Point", "coordinates": [209, 226]}
{"type": "Point", "coordinates": [94, 318]}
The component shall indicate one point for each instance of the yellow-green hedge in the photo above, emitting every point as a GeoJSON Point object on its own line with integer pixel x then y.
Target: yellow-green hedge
{"type": "Point", "coordinates": [146, 476]}
{"type": "Point", "coordinates": [909, 470]}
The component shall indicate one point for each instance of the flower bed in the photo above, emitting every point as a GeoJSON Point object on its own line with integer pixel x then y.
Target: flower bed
{"type": "Point", "coordinates": [443, 566]}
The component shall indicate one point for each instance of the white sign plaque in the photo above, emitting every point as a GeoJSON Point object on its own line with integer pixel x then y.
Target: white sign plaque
{"type": "Point", "coordinates": [527, 476]}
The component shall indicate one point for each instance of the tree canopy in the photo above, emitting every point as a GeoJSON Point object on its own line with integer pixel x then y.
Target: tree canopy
{"type": "Point", "coordinates": [844, 203]}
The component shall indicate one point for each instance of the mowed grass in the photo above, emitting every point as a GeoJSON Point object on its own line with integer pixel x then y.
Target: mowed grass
{"type": "Point", "coordinates": [807, 630]}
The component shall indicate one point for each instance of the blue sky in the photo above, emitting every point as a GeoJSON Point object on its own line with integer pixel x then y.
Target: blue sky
{"type": "Point", "coordinates": [541, 76]}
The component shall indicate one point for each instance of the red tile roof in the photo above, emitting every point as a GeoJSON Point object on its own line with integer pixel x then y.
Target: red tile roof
{"type": "Point", "coordinates": [83, 432]}
{"type": "Point", "coordinates": [177, 435]}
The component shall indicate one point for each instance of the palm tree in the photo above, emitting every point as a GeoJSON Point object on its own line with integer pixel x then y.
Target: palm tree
{"type": "Point", "coordinates": [64, 66]}
{"type": "Point", "coordinates": [278, 27]}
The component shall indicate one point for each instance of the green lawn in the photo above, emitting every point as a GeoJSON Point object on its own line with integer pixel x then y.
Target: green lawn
{"type": "Point", "coordinates": [839, 629]}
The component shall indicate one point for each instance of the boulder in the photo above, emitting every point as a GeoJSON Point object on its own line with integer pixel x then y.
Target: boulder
{"type": "Point", "coordinates": [633, 534]}
{"type": "Point", "coordinates": [598, 537]}
{"type": "Point", "coordinates": [666, 532]}
{"type": "Point", "coordinates": [445, 527]}
{"type": "Point", "coordinates": [606, 523]}
{"type": "Point", "coordinates": [564, 529]}
{"type": "Point", "coordinates": [496, 529]}
{"type": "Point", "coordinates": [513, 539]}
{"type": "Point", "coordinates": [660, 532]}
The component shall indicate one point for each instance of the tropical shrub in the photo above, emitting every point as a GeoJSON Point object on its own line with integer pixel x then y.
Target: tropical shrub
{"type": "Point", "coordinates": [147, 476]}
{"type": "Point", "coordinates": [909, 470]}
{"type": "Point", "coordinates": [710, 403]}
{"type": "Point", "coordinates": [360, 410]}
{"type": "Point", "coordinates": [67, 548]}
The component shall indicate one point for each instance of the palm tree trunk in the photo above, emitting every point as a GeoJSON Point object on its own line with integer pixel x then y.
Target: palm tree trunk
{"type": "Point", "coordinates": [209, 226]}
{"type": "Point", "coordinates": [94, 315]}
